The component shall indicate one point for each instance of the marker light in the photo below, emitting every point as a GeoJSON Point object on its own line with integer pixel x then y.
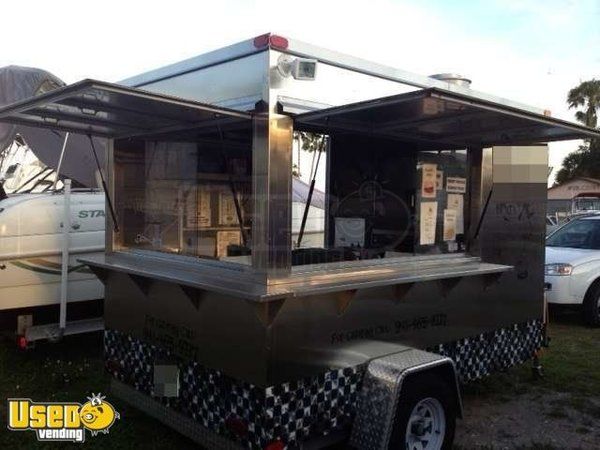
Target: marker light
{"type": "Point", "coordinates": [272, 40]}
{"type": "Point", "coordinates": [275, 445]}
{"type": "Point", "coordinates": [22, 342]}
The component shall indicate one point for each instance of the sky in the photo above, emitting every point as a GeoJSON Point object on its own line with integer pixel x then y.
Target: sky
{"type": "Point", "coordinates": [532, 51]}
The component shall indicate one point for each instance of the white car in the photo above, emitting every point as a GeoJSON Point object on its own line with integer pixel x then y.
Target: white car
{"type": "Point", "coordinates": [572, 272]}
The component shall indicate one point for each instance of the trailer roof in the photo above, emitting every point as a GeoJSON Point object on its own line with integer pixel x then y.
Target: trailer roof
{"type": "Point", "coordinates": [103, 109]}
{"type": "Point", "coordinates": [438, 118]}
{"type": "Point", "coordinates": [276, 42]}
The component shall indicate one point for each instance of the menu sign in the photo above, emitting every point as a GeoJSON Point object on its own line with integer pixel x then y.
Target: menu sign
{"type": "Point", "coordinates": [456, 185]}
{"type": "Point", "coordinates": [428, 180]}
{"type": "Point", "coordinates": [428, 223]}
{"type": "Point", "coordinates": [449, 225]}
{"type": "Point", "coordinates": [456, 203]}
{"type": "Point", "coordinates": [227, 210]}
{"type": "Point", "coordinates": [198, 209]}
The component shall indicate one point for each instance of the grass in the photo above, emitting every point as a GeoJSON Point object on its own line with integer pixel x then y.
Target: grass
{"type": "Point", "coordinates": [72, 369]}
{"type": "Point", "coordinates": [571, 365]}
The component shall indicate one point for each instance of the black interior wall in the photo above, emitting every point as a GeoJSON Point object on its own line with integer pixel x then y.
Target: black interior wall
{"type": "Point", "coordinates": [375, 179]}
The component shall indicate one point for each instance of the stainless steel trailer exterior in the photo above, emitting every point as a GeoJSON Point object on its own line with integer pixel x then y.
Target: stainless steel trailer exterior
{"type": "Point", "coordinates": [271, 352]}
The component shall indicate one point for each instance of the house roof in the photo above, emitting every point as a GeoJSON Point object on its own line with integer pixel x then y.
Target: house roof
{"type": "Point", "coordinates": [574, 180]}
{"type": "Point", "coordinates": [576, 187]}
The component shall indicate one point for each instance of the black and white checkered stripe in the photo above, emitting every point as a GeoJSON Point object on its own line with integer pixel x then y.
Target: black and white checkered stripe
{"type": "Point", "coordinates": [299, 410]}
{"type": "Point", "coordinates": [478, 356]}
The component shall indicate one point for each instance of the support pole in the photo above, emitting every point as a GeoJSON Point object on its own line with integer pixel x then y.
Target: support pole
{"type": "Point", "coordinates": [60, 160]}
{"type": "Point", "coordinates": [64, 274]}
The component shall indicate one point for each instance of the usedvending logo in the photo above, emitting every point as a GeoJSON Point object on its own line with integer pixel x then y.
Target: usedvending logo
{"type": "Point", "coordinates": [61, 421]}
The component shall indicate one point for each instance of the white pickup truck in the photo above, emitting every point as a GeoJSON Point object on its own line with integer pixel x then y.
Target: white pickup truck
{"type": "Point", "coordinates": [572, 272]}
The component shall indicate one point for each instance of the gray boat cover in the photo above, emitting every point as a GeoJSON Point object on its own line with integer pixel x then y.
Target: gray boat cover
{"type": "Point", "coordinates": [19, 83]}
{"type": "Point", "coordinates": [300, 191]}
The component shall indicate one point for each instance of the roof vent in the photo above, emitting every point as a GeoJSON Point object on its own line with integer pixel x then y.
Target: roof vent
{"type": "Point", "coordinates": [452, 78]}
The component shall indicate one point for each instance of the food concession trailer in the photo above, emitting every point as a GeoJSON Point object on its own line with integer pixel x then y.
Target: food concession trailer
{"type": "Point", "coordinates": [430, 271]}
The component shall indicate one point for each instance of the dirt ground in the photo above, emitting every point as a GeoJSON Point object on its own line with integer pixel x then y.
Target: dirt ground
{"type": "Point", "coordinates": [536, 419]}
{"type": "Point", "coordinates": [514, 410]}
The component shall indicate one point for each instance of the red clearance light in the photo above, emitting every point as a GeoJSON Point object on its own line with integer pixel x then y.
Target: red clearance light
{"type": "Point", "coordinates": [275, 445]}
{"type": "Point", "coordinates": [269, 39]}
{"type": "Point", "coordinates": [262, 40]}
{"type": "Point", "coordinates": [22, 342]}
{"type": "Point", "coordinates": [279, 41]}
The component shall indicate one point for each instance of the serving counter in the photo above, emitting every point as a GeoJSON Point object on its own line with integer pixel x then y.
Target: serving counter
{"type": "Point", "coordinates": [311, 280]}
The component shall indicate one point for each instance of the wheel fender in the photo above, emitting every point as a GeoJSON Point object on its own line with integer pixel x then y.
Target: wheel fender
{"type": "Point", "coordinates": [382, 389]}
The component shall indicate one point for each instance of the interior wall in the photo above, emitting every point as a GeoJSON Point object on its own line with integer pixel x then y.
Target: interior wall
{"type": "Point", "coordinates": [373, 178]}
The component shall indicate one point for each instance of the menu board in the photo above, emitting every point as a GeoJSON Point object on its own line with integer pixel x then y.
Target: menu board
{"type": "Point", "coordinates": [227, 211]}
{"type": "Point", "coordinates": [456, 185]}
{"type": "Point", "coordinates": [449, 233]}
{"type": "Point", "coordinates": [428, 222]}
{"type": "Point", "coordinates": [428, 180]}
{"type": "Point", "coordinates": [197, 209]}
{"type": "Point", "coordinates": [456, 202]}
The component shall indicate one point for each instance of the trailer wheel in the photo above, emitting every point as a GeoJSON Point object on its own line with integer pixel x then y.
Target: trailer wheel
{"type": "Point", "coordinates": [591, 305]}
{"type": "Point", "coordinates": [425, 416]}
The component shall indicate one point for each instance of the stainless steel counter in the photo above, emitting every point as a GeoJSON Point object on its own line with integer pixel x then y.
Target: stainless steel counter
{"type": "Point", "coordinates": [307, 280]}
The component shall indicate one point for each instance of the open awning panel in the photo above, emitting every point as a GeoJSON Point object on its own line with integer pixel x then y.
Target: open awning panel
{"type": "Point", "coordinates": [433, 118]}
{"type": "Point", "coordinates": [108, 110]}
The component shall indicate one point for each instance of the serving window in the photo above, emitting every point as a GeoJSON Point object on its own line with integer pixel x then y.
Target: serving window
{"type": "Point", "coordinates": [191, 198]}
{"type": "Point", "coordinates": [380, 199]}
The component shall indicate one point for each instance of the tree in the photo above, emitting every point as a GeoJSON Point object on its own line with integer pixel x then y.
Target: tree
{"type": "Point", "coordinates": [585, 161]}
{"type": "Point", "coordinates": [311, 143]}
{"type": "Point", "coordinates": [586, 95]}
{"type": "Point", "coordinates": [576, 164]}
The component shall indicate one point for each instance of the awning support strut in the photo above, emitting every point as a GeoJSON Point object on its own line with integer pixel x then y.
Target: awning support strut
{"type": "Point", "coordinates": [108, 199]}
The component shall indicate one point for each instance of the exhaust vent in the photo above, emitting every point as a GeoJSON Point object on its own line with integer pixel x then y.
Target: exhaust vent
{"type": "Point", "coordinates": [453, 78]}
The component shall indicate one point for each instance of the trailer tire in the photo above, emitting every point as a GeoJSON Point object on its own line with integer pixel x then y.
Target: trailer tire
{"type": "Point", "coordinates": [591, 305]}
{"type": "Point", "coordinates": [429, 397]}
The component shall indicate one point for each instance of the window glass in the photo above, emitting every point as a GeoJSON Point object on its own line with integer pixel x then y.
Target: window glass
{"type": "Point", "coordinates": [309, 164]}
{"type": "Point", "coordinates": [375, 198]}
{"type": "Point", "coordinates": [187, 198]}
{"type": "Point", "coordinates": [440, 202]}
{"type": "Point", "coordinates": [582, 233]}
